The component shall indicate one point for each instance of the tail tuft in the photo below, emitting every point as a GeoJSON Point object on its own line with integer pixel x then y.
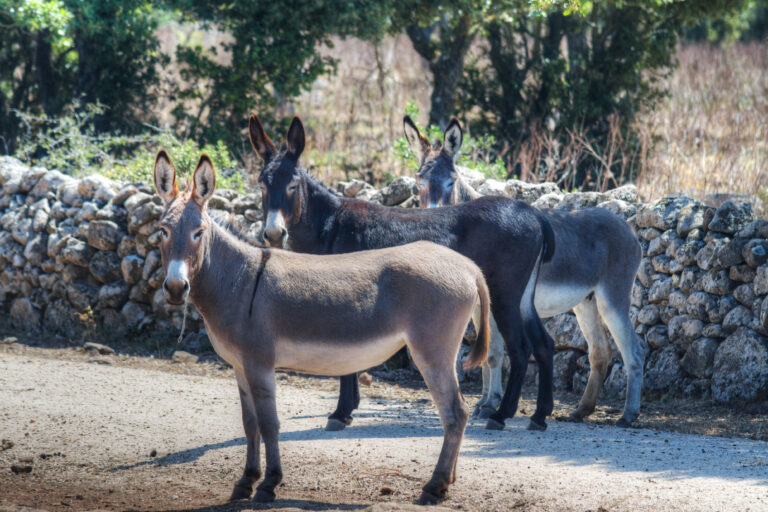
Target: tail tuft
{"type": "Point", "coordinates": [479, 351]}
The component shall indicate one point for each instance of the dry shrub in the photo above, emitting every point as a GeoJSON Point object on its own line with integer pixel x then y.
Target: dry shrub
{"type": "Point", "coordinates": [710, 135]}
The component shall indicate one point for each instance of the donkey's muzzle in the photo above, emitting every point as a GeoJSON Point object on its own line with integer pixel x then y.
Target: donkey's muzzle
{"type": "Point", "coordinates": [176, 291]}
{"type": "Point", "coordinates": [276, 237]}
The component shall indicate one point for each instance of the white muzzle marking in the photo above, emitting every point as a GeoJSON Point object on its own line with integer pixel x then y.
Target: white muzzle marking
{"type": "Point", "coordinates": [177, 271]}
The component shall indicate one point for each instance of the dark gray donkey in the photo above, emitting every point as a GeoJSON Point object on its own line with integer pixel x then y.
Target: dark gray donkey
{"type": "Point", "coordinates": [354, 311]}
{"type": "Point", "coordinates": [592, 272]}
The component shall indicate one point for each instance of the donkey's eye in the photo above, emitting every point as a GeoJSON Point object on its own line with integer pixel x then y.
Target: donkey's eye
{"type": "Point", "coordinates": [197, 234]}
{"type": "Point", "coordinates": [450, 184]}
{"type": "Point", "coordinates": [291, 188]}
{"type": "Point", "coordinates": [166, 233]}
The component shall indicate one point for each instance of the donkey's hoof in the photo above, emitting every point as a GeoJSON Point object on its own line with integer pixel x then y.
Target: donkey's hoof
{"type": "Point", "coordinates": [494, 424]}
{"type": "Point", "coordinates": [264, 496]}
{"type": "Point", "coordinates": [534, 425]}
{"type": "Point", "coordinates": [240, 492]}
{"type": "Point", "coordinates": [335, 425]}
{"type": "Point", "coordinates": [427, 498]}
{"type": "Point", "coordinates": [486, 412]}
{"type": "Point", "coordinates": [576, 417]}
{"type": "Point", "coordinates": [623, 422]}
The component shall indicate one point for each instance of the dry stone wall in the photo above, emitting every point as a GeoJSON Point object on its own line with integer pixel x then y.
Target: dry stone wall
{"type": "Point", "coordinates": [81, 255]}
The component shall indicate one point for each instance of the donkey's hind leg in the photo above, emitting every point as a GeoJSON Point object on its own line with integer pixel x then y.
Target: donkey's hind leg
{"type": "Point", "coordinates": [492, 373]}
{"type": "Point", "coordinates": [444, 387]}
{"type": "Point", "coordinates": [599, 354]}
{"type": "Point", "coordinates": [615, 313]}
{"type": "Point", "coordinates": [252, 472]}
{"type": "Point", "coordinates": [349, 400]}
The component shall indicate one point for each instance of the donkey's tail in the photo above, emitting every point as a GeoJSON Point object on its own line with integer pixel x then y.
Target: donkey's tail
{"type": "Point", "coordinates": [549, 237]}
{"type": "Point", "coordinates": [479, 351]}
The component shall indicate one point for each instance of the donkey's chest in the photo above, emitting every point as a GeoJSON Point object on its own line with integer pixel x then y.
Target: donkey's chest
{"type": "Point", "coordinates": [333, 357]}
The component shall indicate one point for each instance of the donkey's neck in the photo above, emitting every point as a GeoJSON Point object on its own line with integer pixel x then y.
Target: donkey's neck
{"type": "Point", "coordinates": [463, 191]}
{"type": "Point", "coordinates": [312, 233]}
{"type": "Point", "coordinates": [226, 277]}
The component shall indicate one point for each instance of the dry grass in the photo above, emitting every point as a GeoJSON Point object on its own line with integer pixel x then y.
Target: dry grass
{"type": "Point", "coordinates": [711, 132]}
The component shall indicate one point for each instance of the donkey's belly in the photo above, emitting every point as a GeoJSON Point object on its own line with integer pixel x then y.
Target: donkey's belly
{"type": "Point", "coordinates": [552, 299]}
{"type": "Point", "coordinates": [329, 357]}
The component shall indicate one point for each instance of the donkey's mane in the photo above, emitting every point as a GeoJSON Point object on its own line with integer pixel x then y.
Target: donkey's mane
{"type": "Point", "coordinates": [227, 222]}
{"type": "Point", "coordinates": [315, 181]}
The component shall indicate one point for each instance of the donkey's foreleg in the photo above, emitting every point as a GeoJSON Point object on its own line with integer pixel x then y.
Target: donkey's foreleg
{"type": "Point", "coordinates": [252, 472]}
{"type": "Point", "coordinates": [349, 400]}
{"type": "Point", "coordinates": [519, 350]}
{"type": "Point", "coordinates": [454, 413]}
{"type": "Point", "coordinates": [262, 389]}
{"type": "Point", "coordinates": [599, 355]}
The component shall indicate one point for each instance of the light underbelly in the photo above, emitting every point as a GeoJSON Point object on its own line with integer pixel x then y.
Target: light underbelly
{"type": "Point", "coordinates": [321, 357]}
{"type": "Point", "coordinates": [551, 300]}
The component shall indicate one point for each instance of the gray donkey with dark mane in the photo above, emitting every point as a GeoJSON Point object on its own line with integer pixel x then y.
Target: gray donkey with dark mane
{"type": "Point", "coordinates": [591, 271]}
{"type": "Point", "coordinates": [267, 309]}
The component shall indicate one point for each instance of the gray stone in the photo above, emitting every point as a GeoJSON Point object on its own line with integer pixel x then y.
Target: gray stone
{"type": "Point", "coordinates": [662, 214]}
{"type": "Point", "coordinates": [616, 382]}
{"type": "Point", "coordinates": [135, 315]}
{"type": "Point", "coordinates": [690, 329]}
{"type": "Point", "coordinates": [105, 266]}
{"type": "Point", "coordinates": [693, 216]}
{"type": "Point", "coordinates": [752, 229]}
{"type": "Point", "coordinates": [82, 295]}
{"type": "Point", "coordinates": [663, 374]}
{"type": "Point", "coordinates": [132, 268]}
{"type": "Point", "coordinates": [649, 315]}
{"type": "Point", "coordinates": [660, 290]}
{"type": "Point", "coordinates": [730, 217]}
{"type": "Point", "coordinates": [724, 305]}
{"type": "Point", "coordinates": [739, 316]}
{"type": "Point", "coordinates": [706, 258]}
{"type": "Point", "coordinates": [116, 214]}
{"type": "Point", "coordinates": [701, 304]}
{"type": "Point", "coordinates": [742, 274]}
{"type": "Point", "coordinates": [645, 273]}
{"type": "Point", "coordinates": [24, 315]}
{"type": "Point", "coordinates": [34, 251]}
{"type": "Point", "coordinates": [126, 247]}
{"type": "Point", "coordinates": [98, 348]}
{"type": "Point", "coordinates": [142, 215]}
{"type": "Point", "coordinates": [565, 331]}
{"type": "Point", "coordinates": [687, 251]}
{"type": "Point", "coordinates": [639, 295]}
{"type": "Point", "coordinates": [741, 369]}
{"type": "Point", "coordinates": [86, 213]}
{"type": "Point", "coordinates": [399, 190]}
{"type": "Point", "coordinates": [717, 282]}
{"type": "Point", "coordinates": [579, 200]}
{"type": "Point", "coordinates": [678, 300]}
{"type": "Point", "coordinates": [134, 201]}
{"type": "Point", "coordinates": [113, 295]}
{"type": "Point", "coordinates": [744, 294]}
{"type": "Point", "coordinates": [151, 263]}
{"type": "Point", "coordinates": [657, 246]}
{"type": "Point", "coordinates": [688, 278]}
{"type": "Point", "coordinates": [760, 285]}
{"type": "Point", "coordinates": [755, 252]}
{"type": "Point", "coordinates": [22, 231]}
{"type": "Point", "coordinates": [49, 183]}
{"type": "Point", "coordinates": [657, 337]}
{"type": "Point", "coordinates": [181, 356]}
{"type": "Point", "coordinates": [75, 252]}
{"type": "Point", "coordinates": [648, 233]}
{"type": "Point", "coordinates": [626, 193]}
{"type": "Point", "coordinates": [730, 254]}
{"type": "Point", "coordinates": [548, 201]}
{"type": "Point", "coordinates": [219, 203]}
{"type": "Point", "coordinates": [141, 292]}
{"type": "Point", "coordinates": [528, 192]}
{"type": "Point", "coordinates": [714, 331]}
{"type": "Point", "coordinates": [661, 263]}
{"type": "Point", "coordinates": [62, 318]}
{"type": "Point", "coordinates": [104, 235]}
{"type": "Point", "coordinates": [123, 194]}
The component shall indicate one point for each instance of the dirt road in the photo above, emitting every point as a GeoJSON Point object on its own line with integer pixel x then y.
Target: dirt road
{"type": "Point", "coordinates": [88, 430]}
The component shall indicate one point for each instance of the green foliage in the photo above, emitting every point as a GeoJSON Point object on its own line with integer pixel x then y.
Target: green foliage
{"type": "Point", "coordinates": [477, 153]}
{"type": "Point", "coordinates": [70, 144]}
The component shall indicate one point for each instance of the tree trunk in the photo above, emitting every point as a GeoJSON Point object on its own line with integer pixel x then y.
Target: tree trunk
{"type": "Point", "coordinates": [446, 62]}
{"type": "Point", "coordinates": [45, 76]}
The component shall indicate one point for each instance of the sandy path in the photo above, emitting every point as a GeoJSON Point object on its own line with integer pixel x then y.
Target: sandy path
{"type": "Point", "coordinates": [105, 421]}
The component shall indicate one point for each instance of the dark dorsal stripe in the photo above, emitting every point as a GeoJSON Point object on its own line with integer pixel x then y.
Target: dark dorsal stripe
{"type": "Point", "coordinates": [265, 254]}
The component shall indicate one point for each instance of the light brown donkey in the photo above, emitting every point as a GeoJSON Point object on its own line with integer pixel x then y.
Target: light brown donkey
{"type": "Point", "coordinates": [268, 309]}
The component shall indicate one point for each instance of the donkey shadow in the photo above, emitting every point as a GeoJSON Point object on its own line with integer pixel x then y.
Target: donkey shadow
{"type": "Point", "coordinates": [666, 455]}
{"type": "Point", "coordinates": [275, 505]}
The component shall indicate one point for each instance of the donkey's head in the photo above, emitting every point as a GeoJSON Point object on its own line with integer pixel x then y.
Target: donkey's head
{"type": "Point", "coordinates": [437, 170]}
{"type": "Point", "coordinates": [184, 224]}
{"type": "Point", "coordinates": [282, 193]}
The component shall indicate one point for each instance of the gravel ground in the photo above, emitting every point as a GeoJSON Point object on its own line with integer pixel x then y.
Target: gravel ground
{"type": "Point", "coordinates": [120, 433]}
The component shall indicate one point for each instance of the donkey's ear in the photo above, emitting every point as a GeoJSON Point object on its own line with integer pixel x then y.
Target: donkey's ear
{"type": "Point", "coordinates": [261, 143]}
{"type": "Point", "coordinates": [419, 143]}
{"type": "Point", "coordinates": [453, 137]}
{"type": "Point", "coordinates": [165, 177]}
{"type": "Point", "coordinates": [204, 181]}
{"type": "Point", "coordinates": [296, 137]}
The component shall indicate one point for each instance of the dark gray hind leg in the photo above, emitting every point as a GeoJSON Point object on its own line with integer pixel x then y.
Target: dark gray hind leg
{"type": "Point", "coordinates": [261, 386]}
{"type": "Point", "coordinates": [544, 352]}
{"type": "Point", "coordinates": [252, 473]}
{"type": "Point", "coordinates": [599, 355]}
{"type": "Point", "coordinates": [519, 350]}
{"type": "Point", "coordinates": [349, 400]}
{"type": "Point", "coordinates": [614, 310]}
